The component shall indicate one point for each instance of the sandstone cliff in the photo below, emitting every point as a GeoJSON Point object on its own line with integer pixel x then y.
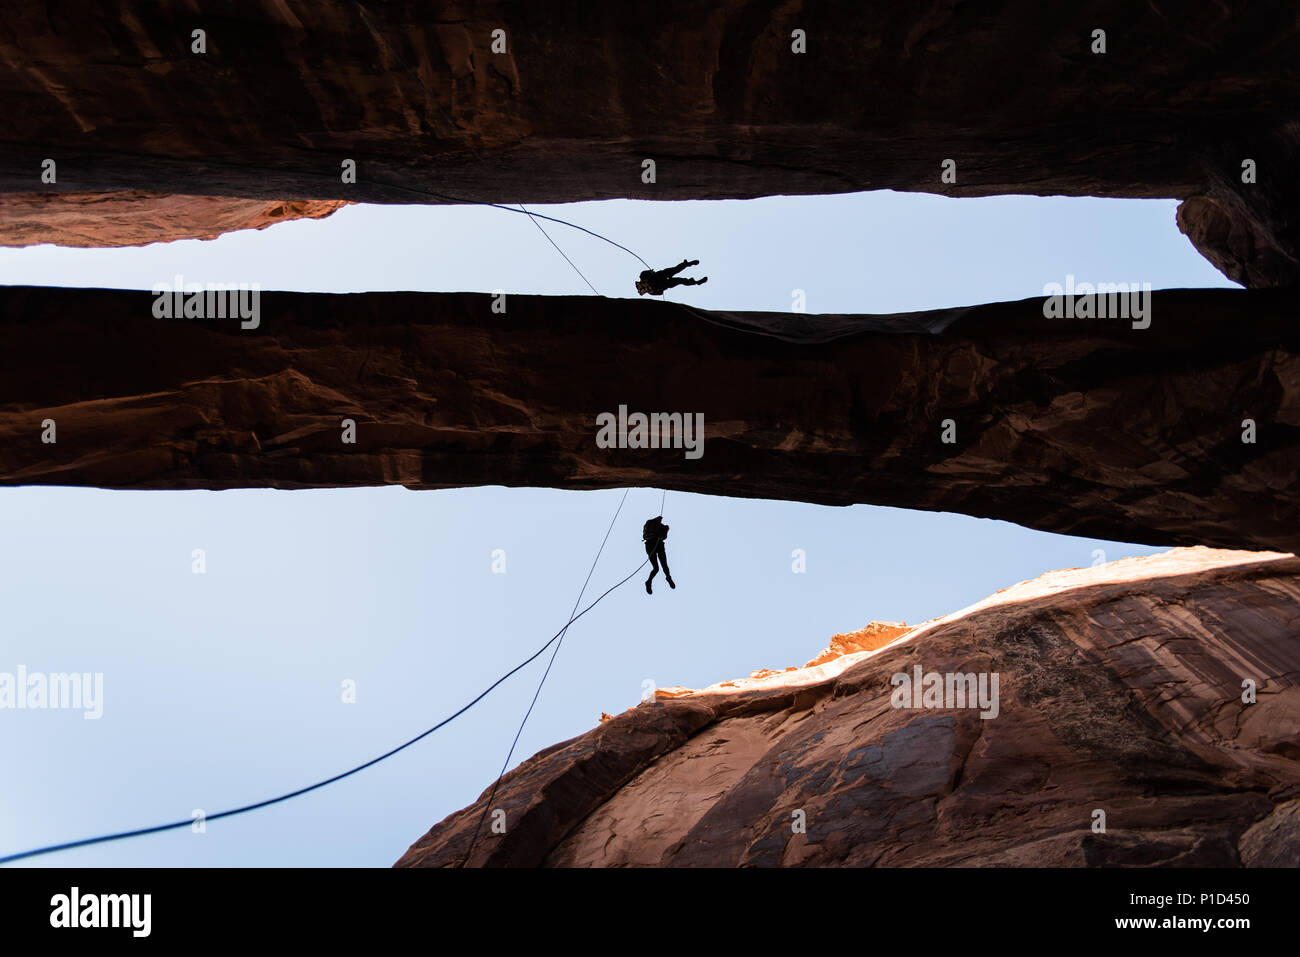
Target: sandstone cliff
{"type": "Point", "coordinates": [1120, 691]}
{"type": "Point", "coordinates": [1076, 428]}
{"type": "Point", "coordinates": [139, 218]}
{"type": "Point", "coordinates": [576, 96]}
{"type": "Point", "coordinates": [1085, 427]}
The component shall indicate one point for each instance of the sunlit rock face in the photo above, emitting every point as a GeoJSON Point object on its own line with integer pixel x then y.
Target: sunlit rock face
{"type": "Point", "coordinates": [512, 100]}
{"type": "Point", "coordinates": [1080, 426]}
{"type": "Point", "coordinates": [139, 218]}
{"type": "Point", "coordinates": [1118, 735]}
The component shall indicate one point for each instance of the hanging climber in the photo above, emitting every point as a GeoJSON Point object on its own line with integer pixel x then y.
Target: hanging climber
{"type": "Point", "coordinates": [655, 282]}
{"type": "Point", "coordinates": [654, 533]}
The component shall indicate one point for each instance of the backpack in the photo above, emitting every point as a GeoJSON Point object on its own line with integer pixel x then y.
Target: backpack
{"type": "Point", "coordinates": [654, 530]}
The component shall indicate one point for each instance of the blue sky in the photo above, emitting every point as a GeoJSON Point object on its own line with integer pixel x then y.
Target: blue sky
{"type": "Point", "coordinates": [225, 688]}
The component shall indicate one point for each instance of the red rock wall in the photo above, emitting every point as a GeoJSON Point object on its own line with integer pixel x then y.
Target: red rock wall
{"type": "Point", "coordinates": [1085, 427]}
{"type": "Point", "coordinates": [137, 218]}
{"type": "Point", "coordinates": [709, 89]}
{"type": "Point", "coordinates": [1119, 690]}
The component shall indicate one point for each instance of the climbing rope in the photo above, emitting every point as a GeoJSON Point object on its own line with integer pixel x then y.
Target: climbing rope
{"type": "Point", "coordinates": [452, 123]}
{"type": "Point", "coordinates": [556, 639]}
{"type": "Point", "coordinates": [333, 178]}
{"type": "Point", "coordinates": [538, 692]}
{"type": "Point", "coordinates": [479, 202]}
{"type": "Point", "coordinates": [140, 832]}
{"type": "Point", "coordinates": [559, 250]}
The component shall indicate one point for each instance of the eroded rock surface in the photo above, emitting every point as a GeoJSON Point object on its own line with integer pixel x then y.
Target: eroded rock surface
{"type": "Point", "coordinates": [577, 96]}
{"type": "Point", "coordinates": [1086, 427]}
{"type": "Point", "coordinates": [139, 218]}
{"type": "Point", "coordinates": [1120, 690]}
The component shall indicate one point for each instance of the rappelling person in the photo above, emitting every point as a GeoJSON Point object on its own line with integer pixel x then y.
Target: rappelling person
{"type": "Point", "coordinates": [655, 282]}
{"type": "Point", "coordinates": [654, 533]}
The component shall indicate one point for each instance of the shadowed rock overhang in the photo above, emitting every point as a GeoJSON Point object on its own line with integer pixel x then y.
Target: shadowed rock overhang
{"type": "Point", "coordinates": [1081, 426]}
{"type": "Point", "coordinates": [581, 94]}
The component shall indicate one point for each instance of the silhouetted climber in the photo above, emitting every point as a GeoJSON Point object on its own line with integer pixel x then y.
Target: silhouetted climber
{"type": "Point", "coordinates": [654, 533]}
{"type": "Point", "coordinates": [656, 282]}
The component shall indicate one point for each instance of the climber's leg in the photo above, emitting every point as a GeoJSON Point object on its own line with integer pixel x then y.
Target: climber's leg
{"type": "Point", "coordinates": [663, 560]}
